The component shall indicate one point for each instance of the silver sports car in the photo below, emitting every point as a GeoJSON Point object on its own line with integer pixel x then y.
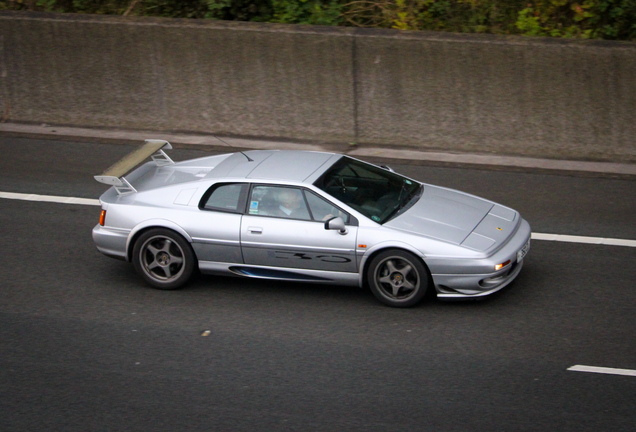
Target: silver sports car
{"type": "Point", "coordinates": [306, 217]}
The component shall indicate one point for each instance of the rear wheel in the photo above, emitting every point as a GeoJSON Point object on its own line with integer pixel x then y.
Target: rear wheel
{"type": "Point", "coordinates": [397, 278]}
{"type": "Point", "coordinates": [163, 258]}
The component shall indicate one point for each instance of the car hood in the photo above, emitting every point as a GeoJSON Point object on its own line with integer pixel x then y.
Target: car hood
{"type": "Point", "coordinates": [444, 214]}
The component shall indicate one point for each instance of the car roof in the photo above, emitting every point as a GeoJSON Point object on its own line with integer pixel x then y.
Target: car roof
{"type": "Point", "coordinates": [287, 165]}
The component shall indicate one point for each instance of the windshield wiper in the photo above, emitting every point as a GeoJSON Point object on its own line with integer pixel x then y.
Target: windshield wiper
{"type": "Point", "coordinates": [408, 202]}
{"type": "Point", "coordinates": [401, 191]}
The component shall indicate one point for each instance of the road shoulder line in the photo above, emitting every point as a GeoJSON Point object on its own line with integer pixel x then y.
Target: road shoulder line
{"type": "Point", "coordinates": [49, 198]}
{"type": "Point", "coordinates": [583, 239]}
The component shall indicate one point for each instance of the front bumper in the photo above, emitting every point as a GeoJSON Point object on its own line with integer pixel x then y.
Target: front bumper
{"type": "Point", "coordinates": [466, 284]}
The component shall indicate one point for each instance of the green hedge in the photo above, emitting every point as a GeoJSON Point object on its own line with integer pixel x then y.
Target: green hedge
{"type": "Point", "coordinates": [598, 19]}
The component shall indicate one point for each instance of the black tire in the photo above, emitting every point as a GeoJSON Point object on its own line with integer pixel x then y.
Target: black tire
{"type": "Point", "coordinates": [397, 278]}
{"type": "Point", "coordinates": [163, 258]}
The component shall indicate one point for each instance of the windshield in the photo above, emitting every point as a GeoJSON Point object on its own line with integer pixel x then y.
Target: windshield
{"type": "Point", "coordinates": [377, 193]}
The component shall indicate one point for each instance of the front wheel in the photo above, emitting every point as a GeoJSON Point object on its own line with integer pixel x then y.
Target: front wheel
{"type": "Point", "coordinates": [397, 278]}
{"type": "Point", "coordinates": [163, 258]}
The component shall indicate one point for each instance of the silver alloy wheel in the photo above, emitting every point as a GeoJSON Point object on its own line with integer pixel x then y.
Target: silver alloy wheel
{"type": "Point", "coordinates": [162, 259]}
{"type": "Point", "coordinates": [397, 278]}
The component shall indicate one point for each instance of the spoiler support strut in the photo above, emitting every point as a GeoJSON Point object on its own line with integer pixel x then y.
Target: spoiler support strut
{"type": "Point", "coordinates": [114, 176]}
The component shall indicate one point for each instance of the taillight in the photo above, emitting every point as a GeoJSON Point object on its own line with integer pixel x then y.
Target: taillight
{"type": "Point", "coordinates": [102, 217]}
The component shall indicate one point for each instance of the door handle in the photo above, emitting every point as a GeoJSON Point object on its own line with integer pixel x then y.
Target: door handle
{"type": "Point", "coordinates": [255, 230]}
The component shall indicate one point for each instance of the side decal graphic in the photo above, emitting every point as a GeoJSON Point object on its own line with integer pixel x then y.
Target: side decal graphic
{"type": "Point", "coordinates": [334, 259]}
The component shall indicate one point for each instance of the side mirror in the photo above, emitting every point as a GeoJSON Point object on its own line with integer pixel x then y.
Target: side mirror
{"type": "Point", "coordinates": [336, 223]}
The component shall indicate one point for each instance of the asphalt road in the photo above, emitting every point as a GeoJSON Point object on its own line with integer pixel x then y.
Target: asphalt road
{"type": "Point", "coordinates": [86, 346]}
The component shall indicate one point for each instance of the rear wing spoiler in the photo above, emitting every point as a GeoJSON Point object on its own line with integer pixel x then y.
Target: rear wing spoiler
{"type": "Point", "coordinates": [114, 176]}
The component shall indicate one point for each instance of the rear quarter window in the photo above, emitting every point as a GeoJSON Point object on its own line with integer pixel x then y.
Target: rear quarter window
{"type": "Point", "coordinates": [225, 197]}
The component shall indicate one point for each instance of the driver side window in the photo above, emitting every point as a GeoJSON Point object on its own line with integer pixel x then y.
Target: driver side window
{"type": "Point", "coordinates": [284, 202]}
{"type": "Point", "coordinates": [322, 210]}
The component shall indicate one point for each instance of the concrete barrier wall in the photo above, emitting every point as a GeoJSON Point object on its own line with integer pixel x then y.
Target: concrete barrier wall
{"type": "Point", "coordinates": [527, 96]}
{"type": "Point", "coordinates": [257, 80]}
{"type": "Point", "coordinates": [506, 95]}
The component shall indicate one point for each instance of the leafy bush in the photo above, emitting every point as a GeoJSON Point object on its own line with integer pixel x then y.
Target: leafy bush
{"type": "Point", "coordinates": [607, 19]}
{"type": "Point", "coordinates": [472, 16]}
{"type": "Point", "coordinates": [307, 12]}
{"type": "Point", "coordinates": [604, 19]}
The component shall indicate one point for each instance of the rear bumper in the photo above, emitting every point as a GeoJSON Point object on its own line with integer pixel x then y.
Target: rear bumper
{"type": "Point", "coordinates": [111, 242]}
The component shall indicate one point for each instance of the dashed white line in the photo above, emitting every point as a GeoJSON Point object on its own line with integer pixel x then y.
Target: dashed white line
{"type": "Point", "coordinates": [602, 370]}
{"type": "Point", "coordinates": [535, 236]}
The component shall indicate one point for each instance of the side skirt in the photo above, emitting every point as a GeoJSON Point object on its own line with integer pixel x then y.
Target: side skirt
{"type": "Point", "coordinates": [280, 273]}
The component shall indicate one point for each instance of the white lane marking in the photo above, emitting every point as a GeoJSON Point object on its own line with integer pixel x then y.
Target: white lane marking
{"type": "Point", "coordinates": [603, 370]}
{"type": "Point", "coordinates": [49, 198]}
{"type": "Point", "coordinates": [535, 236]}
{"type": "Point", "coordinates": [581, 239]}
